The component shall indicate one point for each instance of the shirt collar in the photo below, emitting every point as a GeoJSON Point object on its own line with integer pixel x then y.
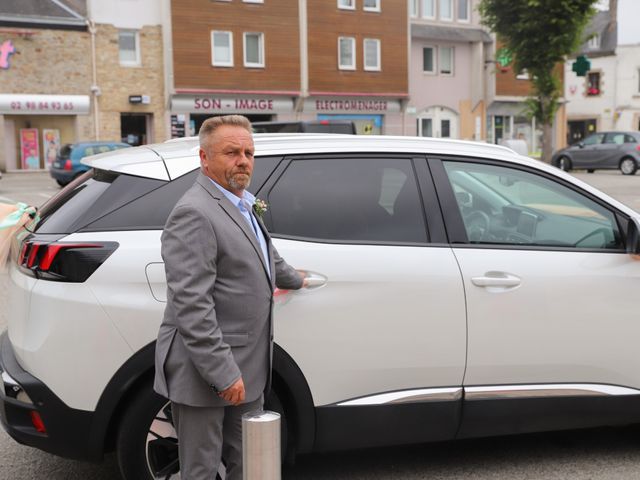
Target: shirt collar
{"type": "Point", "coordinates": [233, 198]}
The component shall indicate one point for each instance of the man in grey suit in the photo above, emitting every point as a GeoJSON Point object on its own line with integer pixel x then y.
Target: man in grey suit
{"type": "Point", "coordinates": [213, 355]}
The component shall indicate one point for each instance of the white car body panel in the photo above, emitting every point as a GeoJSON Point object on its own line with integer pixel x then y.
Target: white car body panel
{"type": "Point", "coordinates": [67, 341]}
{"type": "Point", "coordinates": [389, 318]}
{"type": "Point", "coordinates": [572, 318]}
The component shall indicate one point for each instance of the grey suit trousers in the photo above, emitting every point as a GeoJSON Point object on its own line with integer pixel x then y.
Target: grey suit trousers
{"type": "Point", "coordinates": [208, 433]}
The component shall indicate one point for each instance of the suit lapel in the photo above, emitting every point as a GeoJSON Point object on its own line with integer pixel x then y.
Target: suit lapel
{"type": "Point", "coordinates": [232, 211]}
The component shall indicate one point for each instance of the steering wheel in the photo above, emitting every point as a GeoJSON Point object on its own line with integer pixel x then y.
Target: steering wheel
{"type": "Point", "coordinates": [477, 225]}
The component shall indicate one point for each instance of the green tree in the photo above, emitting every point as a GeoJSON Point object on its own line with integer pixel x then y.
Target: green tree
{"type": "Point", "coordinates": [540, 34]}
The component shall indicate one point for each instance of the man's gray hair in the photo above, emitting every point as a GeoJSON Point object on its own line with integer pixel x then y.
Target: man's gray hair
{"type": "Point", "coordinates": [210, 125]}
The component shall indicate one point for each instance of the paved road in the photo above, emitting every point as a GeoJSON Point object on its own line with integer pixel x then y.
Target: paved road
{"type": "Point", "coordinates": [608, 454]}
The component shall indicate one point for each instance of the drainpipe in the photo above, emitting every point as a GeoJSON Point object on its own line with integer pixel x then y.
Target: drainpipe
{"type": "Point", "coordinates": [304, 57]}
{"type": "Point", "coordinates": [95, 90]}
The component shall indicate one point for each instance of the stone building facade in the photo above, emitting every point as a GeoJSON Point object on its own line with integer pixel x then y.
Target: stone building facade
{"type": "Point", "coordinates": [121, 85]}
{"type": "Point", "coordinates": [45, 87]}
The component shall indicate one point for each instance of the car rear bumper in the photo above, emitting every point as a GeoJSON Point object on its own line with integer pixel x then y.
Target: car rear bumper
{"type": "Point", "coordinates": [68, 430]}
{"type": "Point", "coordinates": [63, 175]}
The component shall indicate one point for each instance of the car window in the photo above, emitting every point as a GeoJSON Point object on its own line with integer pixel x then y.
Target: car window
{"type": "Point", "coordinates": [594, 139]}
{"type": "Point", "coordinates": [89, 151]}
{"type": "Point", "coordinates": [617, 138]}
{"type": "Point", "coordinates": [151, 211]}
{"type": "Point", "coordinates": [629, 139]}
{"type": "Point", "coordinates": [503, 205]}
{"type": "Point", "coordinates": [103, 149]}
{"type": "Point", "coordinates": [348, 199]}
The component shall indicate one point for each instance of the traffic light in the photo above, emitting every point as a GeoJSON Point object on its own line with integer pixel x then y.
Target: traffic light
{"type": "Point", "coordinates": [581, 66]}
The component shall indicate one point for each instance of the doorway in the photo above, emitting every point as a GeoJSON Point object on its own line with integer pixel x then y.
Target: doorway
{"type": "Point", "coordinates": [579, 129]}
{"type": "Point", "coordinates": [135, 128]}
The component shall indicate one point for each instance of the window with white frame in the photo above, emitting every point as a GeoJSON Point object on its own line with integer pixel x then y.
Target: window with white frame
{"type": "Point", "coordinates": [221, 48]}
{"type": "Point", "coordinates": [129, 47]}
{"type": "Point", "coordinates": [428, 60]}
{"type": "Point", "coordinates": [413, 8]}
{"type": "Point", "coordinates": [446, 10]}
{"type": "Point", "coordinates": [523, 75]}
{"type": "Point", "coordinates": [371, 5]}
{"type": "Point", "coordinates": [253, 49]}
{"type": "Point", "coordinates": [253, 1]}
{"type": "Point", "coordinates": [594, 42]}
{"type": "Point", "coordinates": [346, 53]}
{"type": "Point", "coordinates": [428, 8]}
{"type": "Point", "coordinates": [372, 54]}
{"type": "Point", "coordinates": [463, 11]}
{"type": "Point", "coordinates": [347, 4]}
{"type": "Point", "coordinates": [446, 60]}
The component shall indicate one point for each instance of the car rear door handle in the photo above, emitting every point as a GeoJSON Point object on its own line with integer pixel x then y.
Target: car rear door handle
{"type": "Point", "coordinates": [496, 279]}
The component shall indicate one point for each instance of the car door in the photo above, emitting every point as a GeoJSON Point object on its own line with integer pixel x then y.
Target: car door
{"type": "Point", "coordinates": [585, 155]}
{"type": "Point", "coordinates": [382, 343]}
{"type": "Point", "coordinates": [611, 150]}
{"type": "Point", "coordinates": [551, 300]}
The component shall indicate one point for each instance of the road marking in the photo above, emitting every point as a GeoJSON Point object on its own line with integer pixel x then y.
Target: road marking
{"type": "Point", "coordinates": [44, 195]}
{"type": "Point", "coordinates": [8, 200]}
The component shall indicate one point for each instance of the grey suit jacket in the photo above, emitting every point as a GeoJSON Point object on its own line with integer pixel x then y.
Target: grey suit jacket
{"type": "Point", "coordinates": [217, 324]}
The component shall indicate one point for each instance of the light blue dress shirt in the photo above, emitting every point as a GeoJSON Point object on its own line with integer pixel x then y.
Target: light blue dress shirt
{"type": "Point", "coordinates": [248, 200]}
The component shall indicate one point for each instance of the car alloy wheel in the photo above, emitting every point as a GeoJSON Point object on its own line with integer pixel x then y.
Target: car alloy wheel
{"type": "Point", "coordinates": [564, 164]}
{"type": "Point", "coordinates": [628, 166]}
{"type": "Point", "coordinates": [161, 447]}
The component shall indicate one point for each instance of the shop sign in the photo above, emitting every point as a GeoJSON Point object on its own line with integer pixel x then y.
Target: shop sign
{"type": "Point", "coordinates": [350, 105]}
{"type": "Point", "coordinates": [144, 99]}
{"type": "Point", "coordinates": [44, 104]}
{"type": "Point", "coordinates": [6, 50]}
{"type": "Point", "coordinates": [217, 104]}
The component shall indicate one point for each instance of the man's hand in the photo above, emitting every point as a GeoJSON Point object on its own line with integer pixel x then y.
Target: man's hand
{"type": "Point", "coordinates": [303, 274]}
{"type": "Point", "coordinates": [235, 393]}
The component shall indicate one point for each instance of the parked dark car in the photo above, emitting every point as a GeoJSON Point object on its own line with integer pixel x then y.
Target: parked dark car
{"type": "Point", "coordinates": [315, 126]}
{"type": "Point", "coordinates": [67, 165]}
{"type": "Point", "coordinates": [602, 150]}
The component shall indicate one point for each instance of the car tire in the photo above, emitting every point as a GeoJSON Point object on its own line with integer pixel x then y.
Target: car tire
{"type": "Point", "coordinates": [138, 456]}
{"type": "Point", "coordinates": [61, 183]}
{"type": "Point", "coordinates": [591, 170]}
{"type": "Point", "coordinates": [564, 163]}
{"type": "Point", "coordinates": [628, 166]}
{"type": "Point", "coordinates": [132, 444]}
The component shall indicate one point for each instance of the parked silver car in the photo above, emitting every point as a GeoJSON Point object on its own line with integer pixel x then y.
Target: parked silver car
{"type": "Point", "coordinates": [602, 150]}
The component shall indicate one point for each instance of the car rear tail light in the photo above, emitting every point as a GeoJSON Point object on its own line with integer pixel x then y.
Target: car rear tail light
{"type": "Point", "coordinates": [64, 261]}
{"type": "Point", "coordinates": [638, 148]}
{"type": "Point", "coordinates": [67, 164]}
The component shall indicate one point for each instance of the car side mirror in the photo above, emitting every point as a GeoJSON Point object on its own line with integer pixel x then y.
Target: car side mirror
{"type": "Point", "coordinates": [580, 144]}
{"type": "Point", "coordinates": [633, 236]}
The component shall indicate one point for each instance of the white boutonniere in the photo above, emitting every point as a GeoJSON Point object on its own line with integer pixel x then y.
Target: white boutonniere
{"type": "Point", "coordinates": [260, 207]}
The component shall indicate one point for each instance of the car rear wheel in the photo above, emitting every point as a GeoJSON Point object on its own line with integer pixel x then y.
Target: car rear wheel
{"type": "Point", "coordinates": [628, 166]}
{"type": "Point", "coordinates": [147, 443]}
{"type": "Point", "coordinates": [564, 163]}
{"type": "Point", "coordinates": [61, 183]}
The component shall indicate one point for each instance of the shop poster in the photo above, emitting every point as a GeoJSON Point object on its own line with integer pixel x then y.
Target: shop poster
{"type": "Point", "coordinates": [29, 149]}
{"type": "Point", "coordinates": [50, 145]}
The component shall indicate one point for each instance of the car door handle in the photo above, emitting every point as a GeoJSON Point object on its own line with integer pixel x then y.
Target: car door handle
{"type": "Point", "coordinates": [496, 279]}
{"type": "Point", "coordinates": [315, 280]}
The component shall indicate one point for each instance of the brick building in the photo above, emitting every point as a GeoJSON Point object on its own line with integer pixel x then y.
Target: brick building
{"type": "Point", "coordinates": [45, 98]}
{"type": "Point", "coordinates": [284, 60]}
{"type": "Point", "coordinates": [78, 70]}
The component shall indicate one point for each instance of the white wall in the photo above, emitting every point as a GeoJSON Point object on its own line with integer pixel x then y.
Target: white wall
{"type": "Point", "coordinates": [132, 14]}
{"type": "Point", "coordinates": [628, 93]}
{"type": "Point", "coordinates": [602, 106]}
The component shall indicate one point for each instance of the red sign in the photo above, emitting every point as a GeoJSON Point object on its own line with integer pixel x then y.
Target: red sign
{"type": "Point", "coordinates": [29, 148]}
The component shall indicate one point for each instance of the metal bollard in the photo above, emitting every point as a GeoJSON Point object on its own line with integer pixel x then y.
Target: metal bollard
{"type": "Point", "coordinates": [261, 446]}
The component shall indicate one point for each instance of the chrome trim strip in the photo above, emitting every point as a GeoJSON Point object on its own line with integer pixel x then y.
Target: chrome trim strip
{"type": "Point", "coordinates": [546, 391]}
{"type": "Point", "coordinates": [407, 396]}
{"type": "Point", "coordinates": [8, 380]}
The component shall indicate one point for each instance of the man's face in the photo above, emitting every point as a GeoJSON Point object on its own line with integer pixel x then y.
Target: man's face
{"type": "Point", "coordinates": [228, 158]}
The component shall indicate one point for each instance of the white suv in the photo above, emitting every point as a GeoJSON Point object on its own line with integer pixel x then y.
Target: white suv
{"type": "Point", "coordinates": [461, 290]}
